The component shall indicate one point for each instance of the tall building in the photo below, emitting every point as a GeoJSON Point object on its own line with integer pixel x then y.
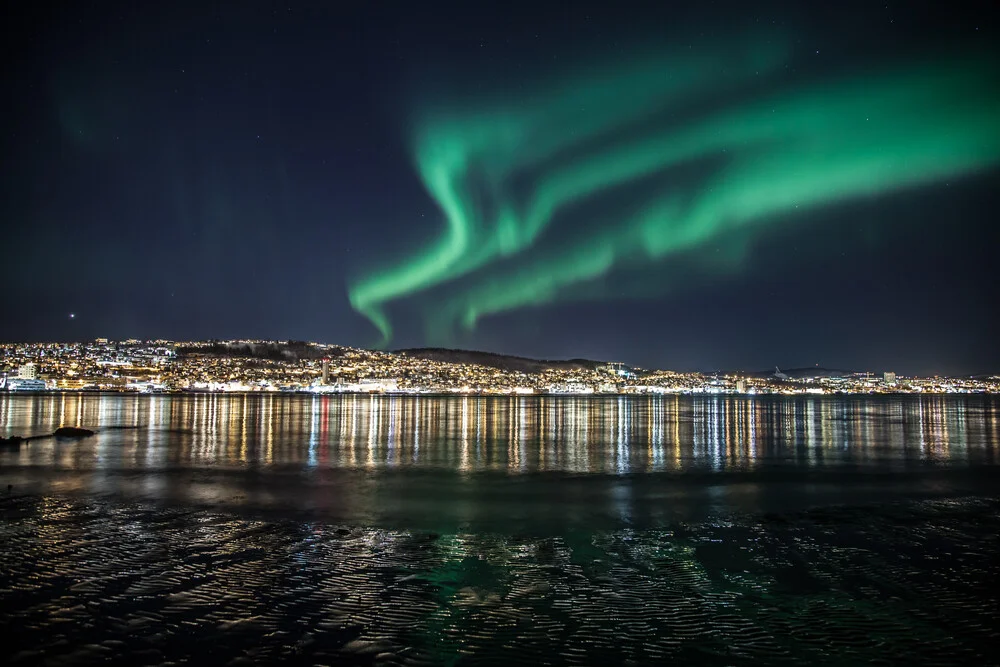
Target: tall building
{"type": "Point", "coordinates": [741, 386]}
{"type": "Point", "coordinates": [326, 370]}
{"type": "Point", "coordinates": [28, 371]}
{"type": "Point", "coordinates": [889, 377]}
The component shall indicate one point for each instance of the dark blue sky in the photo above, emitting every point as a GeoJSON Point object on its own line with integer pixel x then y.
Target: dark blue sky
{"type": "Point", "coordinates": [214, 170]}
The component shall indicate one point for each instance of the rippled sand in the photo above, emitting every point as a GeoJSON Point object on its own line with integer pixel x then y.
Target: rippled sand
{"type": "Point", "coordinates": [88, 580]}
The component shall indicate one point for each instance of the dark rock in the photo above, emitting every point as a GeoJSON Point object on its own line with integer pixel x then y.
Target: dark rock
{"type": "Point", "coordinates": [12, 441]}
{"type": "Point", "coordinates": [72, 432]}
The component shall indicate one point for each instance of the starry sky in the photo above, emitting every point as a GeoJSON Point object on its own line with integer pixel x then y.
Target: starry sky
{"type": "Point", "coordinates": [717, 186]}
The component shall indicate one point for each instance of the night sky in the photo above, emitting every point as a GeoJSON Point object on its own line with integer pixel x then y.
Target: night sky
{"type": "Point", "coordinates": [725, 185]}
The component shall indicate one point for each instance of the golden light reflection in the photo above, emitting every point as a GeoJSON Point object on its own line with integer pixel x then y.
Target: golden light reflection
{"type": "Point", "coordinates": [517, 434]}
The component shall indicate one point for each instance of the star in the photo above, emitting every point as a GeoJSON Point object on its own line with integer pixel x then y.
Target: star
{"type": "Point", "coordinates": [72, 316]}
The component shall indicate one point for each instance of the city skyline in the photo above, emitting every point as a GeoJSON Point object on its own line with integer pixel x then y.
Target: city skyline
{"type": "Point", "coordinates": [255, 366]}
{"type": "Point", "coordinates": [769, 366]}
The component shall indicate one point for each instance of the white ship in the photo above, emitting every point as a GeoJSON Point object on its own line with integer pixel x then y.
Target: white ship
{"type": "Point", "coordinates": [22, 384]}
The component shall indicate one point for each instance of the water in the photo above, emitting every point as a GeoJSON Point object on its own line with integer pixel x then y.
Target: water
{"type": "Point", "coordinates": [460, 530]}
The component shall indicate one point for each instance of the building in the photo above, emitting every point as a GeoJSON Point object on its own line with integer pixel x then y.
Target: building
{"type": "Point", "coordinates": [889, 377]}
{"type": "Point", "coordinates": [28, 371]}
{"type": "Point", "coordinates": [570, 388]}
{"type": "Point", "coordinates": [374, 385]}
{"type": "Point", "coordinates": [741, 386]}
{"type": "Point", "coordinates": [616, 368]}
{"type": "Point", "coordinates": [326, 371]}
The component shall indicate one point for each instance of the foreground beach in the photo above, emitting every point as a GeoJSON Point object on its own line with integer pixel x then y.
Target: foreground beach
{"type": "Point", "coordinates": [493, 531]}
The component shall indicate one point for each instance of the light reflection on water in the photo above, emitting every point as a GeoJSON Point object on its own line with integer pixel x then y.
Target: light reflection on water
{"type": "Point", "coordinates": [616, 435]}
{"type": "Point", "coordinates": [532, 463]}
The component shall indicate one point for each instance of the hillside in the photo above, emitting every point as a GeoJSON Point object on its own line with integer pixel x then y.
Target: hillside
{"type": "Point", "coordinates": [802, 373]}
{"type": "Point", "coordinates": [274, 351]}
{"type": "Point", "coordinates": [502, 361]}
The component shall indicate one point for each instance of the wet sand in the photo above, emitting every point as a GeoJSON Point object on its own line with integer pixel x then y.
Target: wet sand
{"type": "Point", "coordinates": [92, 581]}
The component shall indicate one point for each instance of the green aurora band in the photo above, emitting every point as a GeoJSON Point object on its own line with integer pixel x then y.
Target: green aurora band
{"type": "Point", "coordinates": [503, 176]}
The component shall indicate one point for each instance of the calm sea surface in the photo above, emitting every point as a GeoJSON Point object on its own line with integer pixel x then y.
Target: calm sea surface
{"type": "Point", "coordinates": [461, 530]}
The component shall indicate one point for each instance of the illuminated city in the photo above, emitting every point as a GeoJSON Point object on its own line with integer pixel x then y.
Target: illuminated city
{"type": "Point", "coordinates": [256, 365]}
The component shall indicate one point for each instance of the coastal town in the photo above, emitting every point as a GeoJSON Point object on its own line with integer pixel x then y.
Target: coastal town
{"type": "Point", "coordinates": [156, 366]}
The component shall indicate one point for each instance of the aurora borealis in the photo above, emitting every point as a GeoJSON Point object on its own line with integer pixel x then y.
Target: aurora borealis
{"type": "Point", "coordinates": [503, 176]}
{"type": "Point", "coordinates": [685, 185]}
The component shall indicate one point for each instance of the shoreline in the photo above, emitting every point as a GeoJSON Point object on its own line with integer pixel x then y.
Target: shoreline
{"type": "Point", "coordinates": [437, 393]}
